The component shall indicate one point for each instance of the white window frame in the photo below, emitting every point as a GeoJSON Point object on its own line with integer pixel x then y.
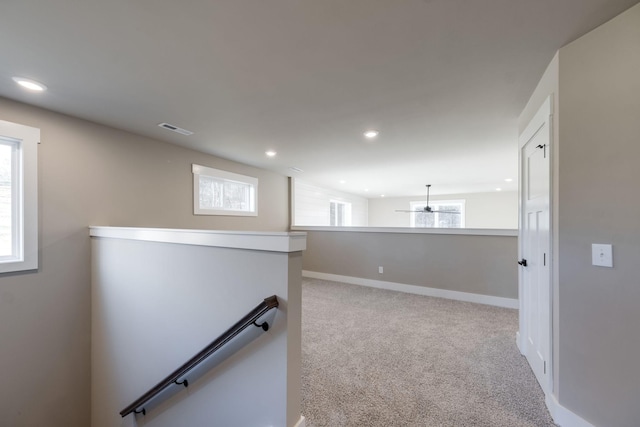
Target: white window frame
{"type": "Point", "coordinates": [24, 141]}
{"type": "Point", "coordinates": [435, 205]}
{"type": "Point", "coordinates": [346, 211]}
{"type": "Point", "coordinates": [199, 170]}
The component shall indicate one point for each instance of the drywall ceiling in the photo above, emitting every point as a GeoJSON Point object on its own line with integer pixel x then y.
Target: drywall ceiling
{"type": "Point", "coordinates": [443, 81]}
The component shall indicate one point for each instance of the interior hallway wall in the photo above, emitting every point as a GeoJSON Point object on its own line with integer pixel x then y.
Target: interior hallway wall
{"type": "Point", "coordinates": [92, 175]}
{"type": "Point", "coordinates": [598, 187]}
{"type": "Point", "coordinates": [484, 265]}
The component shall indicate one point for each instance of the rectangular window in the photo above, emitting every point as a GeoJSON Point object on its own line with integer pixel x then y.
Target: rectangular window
{"type": "Point", "coordinates": [447, 214]}
{"type": "Point", "coordinates": [18, 197]}
{"type": "Point", "coordinates": [218, 192]}
{"type": "Point", "coordinates": [9, 221]}
{"type": "Point", "coordinates": [339, 214]}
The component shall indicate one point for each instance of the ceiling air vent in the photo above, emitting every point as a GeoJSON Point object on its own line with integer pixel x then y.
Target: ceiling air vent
{"type": "Point", "coordinates": [175, 129]}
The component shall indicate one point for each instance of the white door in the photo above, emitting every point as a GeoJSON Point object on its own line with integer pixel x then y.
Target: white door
{"type": "Point", "coordinates": [535, 238]}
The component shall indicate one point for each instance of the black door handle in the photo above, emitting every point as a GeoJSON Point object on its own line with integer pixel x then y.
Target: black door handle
{"type": "Point", "coordinates": [523, 262]}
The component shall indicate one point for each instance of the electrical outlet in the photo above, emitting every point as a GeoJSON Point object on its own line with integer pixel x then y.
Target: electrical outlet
{"type": "Point", "coordinates": [380, 270]}
{"type": "Point", "coordinates": [601, 255]}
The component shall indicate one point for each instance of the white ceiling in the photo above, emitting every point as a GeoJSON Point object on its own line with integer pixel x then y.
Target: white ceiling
{"type": "Point", "coordinates": [442, 80]}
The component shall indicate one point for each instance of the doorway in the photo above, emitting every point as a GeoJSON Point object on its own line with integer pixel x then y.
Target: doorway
{"type": "Point", "coordinates": [534, 276]}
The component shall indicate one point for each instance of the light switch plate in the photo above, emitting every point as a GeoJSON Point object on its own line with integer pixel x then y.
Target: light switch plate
{"type": "Point", "coordinates": [601, 255]}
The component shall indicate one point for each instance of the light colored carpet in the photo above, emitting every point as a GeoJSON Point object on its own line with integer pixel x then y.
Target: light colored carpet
{"type": "Point", "coordinates": [372, 357]}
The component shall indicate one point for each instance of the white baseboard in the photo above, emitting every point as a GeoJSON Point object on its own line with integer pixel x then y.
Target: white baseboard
{"type": "Point", "coordinates": [418, 290]}
{"type": "Point", "coordinates": [519, 343]}
{"type": "Point", "coordinates": [562, 416]}
{"type": "Point", "coordinates": [301, 422]}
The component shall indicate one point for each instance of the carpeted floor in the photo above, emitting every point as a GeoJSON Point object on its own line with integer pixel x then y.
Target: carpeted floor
{"type": "Point", "coordinates": [372, 357]}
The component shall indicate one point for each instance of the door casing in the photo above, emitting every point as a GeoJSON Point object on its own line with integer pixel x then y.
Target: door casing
{"type": "Point", "coordinates": [543, 117]}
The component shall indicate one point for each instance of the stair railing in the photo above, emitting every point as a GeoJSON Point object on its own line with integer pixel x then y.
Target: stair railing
{"type": "Point", "coordinates": [137, 407]}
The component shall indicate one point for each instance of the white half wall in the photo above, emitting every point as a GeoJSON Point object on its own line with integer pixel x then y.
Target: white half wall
{"type": "Point", "coordinates": [158, 301]}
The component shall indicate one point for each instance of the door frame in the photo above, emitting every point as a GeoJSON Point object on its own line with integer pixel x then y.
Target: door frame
{"type": "Point", "coordinates": [542, 116]}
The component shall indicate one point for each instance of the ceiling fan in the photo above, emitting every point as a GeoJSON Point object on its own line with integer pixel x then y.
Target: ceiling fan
{"type": "Point", "coordinates": [427, 208]}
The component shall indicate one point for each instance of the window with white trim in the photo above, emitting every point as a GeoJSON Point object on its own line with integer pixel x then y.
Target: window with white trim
{"type": "Point", "coordinates": [339, 213]}
{"type": "Point", "coordinates": [438, 219]}
{"type": "Point", "coordinates": [218, 192]}
{"type": "Point", "coordinates": [18, 197]}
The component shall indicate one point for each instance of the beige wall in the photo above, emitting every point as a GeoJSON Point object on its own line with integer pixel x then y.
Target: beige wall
{"type": "Point", "coordinates": [483, 210]}
{"type": "Point", "coordinates": [476, 264]}
{"type": "Point", "coordinates": [91, 175]}
{"type": "Point", "coordinates": [599, 322]}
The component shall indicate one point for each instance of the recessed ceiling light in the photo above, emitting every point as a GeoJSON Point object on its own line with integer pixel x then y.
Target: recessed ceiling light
{"type": "Point", "coordinates": [32, 85]}
{"type": "Point", "coordinates": [370, 134]}
{"type": "Point", "coordinates": [270, 153]}
{"type": "Point", "coordinates": [366, 189]}
{"type": "Point", "coordinates": [342, 181]}
{"type": "Point", "coordinates": [508, 179]}
{"type": "Point", "coordinates": [382, 195]}
{"type": "Point", "coordinates": [498, 189]}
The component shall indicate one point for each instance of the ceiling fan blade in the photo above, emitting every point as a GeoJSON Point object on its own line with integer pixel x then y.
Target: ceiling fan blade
{"type": "Point", "coordinates": [431, 211]}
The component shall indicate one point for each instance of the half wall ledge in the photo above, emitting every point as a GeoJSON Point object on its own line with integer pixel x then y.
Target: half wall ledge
{"type": "Point", "coordinates": [414, 230]}
{"type": "Point", "coordinates": [272, 241]}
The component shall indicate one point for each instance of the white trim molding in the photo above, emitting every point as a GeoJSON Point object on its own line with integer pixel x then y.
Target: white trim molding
{"type": "Point", "coordinates": [519, 343]}
{"type": "Point", "coordinates": [254, 240]}
{"type": "Point", "coordinates": [418, 290]}
{"type": "Point", "coordinates": [415, 230]}
{"type": "Point", "coordinates": [22, 141]}
{"type": "Point", "coordinates": [562, 416]}
{"type": "Point", "coordinates": [301, 422]}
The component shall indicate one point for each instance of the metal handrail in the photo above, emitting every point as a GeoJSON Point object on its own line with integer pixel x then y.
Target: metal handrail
{"type": "Point", "coordinates": [173, 378]}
